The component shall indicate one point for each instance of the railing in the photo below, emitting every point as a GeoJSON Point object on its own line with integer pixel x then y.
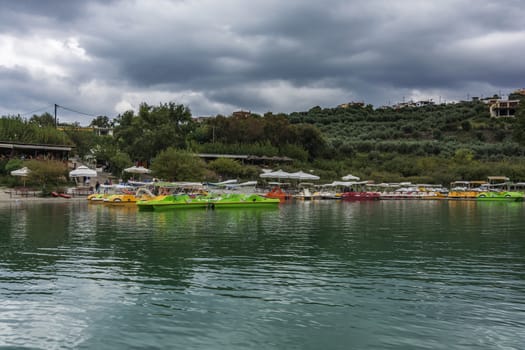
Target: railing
{"type": "Point", "coordinates": [81, 191]}
{"type": "Point", "coordinates": [23, 192]}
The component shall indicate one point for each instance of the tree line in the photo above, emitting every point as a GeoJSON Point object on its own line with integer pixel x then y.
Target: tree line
{"type": "Point", "coordinates": [438, 143]}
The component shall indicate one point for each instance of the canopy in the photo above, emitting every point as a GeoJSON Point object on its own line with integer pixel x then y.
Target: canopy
{"type": "Point", "coordinates": [242, 184]}
{"type": "Point", "coordinates": [350, 177]}
{"type": "Point", "coordinates": [301, 175]}
{"type": "Point", "coordinates": [137, 170]}
{"type": "Point", "coordinates": [279, 174]}
{"type": "Point", "coordinates": [343, 184]}
{"type": "Point", "coordinates": [82, 171]}
{"type": "Point", "coordinates": [21, 172]}
{"type": "Point", "coordinates": [24, 172]}
{"type": "Point", "coordinates": [222, 183]}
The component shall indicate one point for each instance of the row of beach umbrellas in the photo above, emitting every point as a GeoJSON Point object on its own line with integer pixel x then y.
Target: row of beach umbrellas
{"type": "Point", "coordinates": [84, 171]}
{"type": "Point", "coordinates": [300, 175]}
{"type": "Point", "coordinates": [280, 174]}
{"type": "Point", "coordinates": [81, 171]}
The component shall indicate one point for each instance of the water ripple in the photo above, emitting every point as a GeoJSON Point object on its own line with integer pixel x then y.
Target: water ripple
{"type": "Point", "coordinates": [381, 275]}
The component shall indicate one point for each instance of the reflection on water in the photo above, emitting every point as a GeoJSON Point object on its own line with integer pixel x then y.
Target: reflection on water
{"type": "Point", "coordinates": [309, 275]}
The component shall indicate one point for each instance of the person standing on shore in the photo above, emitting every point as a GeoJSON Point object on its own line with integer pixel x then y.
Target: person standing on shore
{"type": "Point", "coordinates": [97, 187]}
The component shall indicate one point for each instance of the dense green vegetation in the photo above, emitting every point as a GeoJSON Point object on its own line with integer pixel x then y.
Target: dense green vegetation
{"type": "Point", "coordinates": [437, 144]}
{"type": "Point", "coordinates": [37, 130]}
{"type": "Point", "coordinates": [430, 130]}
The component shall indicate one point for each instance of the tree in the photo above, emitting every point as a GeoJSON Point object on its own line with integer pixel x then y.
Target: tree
{"type": "Point", "coordinates": [46, 172]}
{"type": "Point", "coordinates": [466, 126]}
{"type": "Point", "coordinates": [127, 133]}
{"type": "Point", "coordinates": [178, 165]}
{"type": "Point", "coordinates": [104, 149]}
{"type": "Point", "coordinates": [227, 167]}
{"type": "Point", "coordinates": [13, 164]}
{"type": "Point", "coordinates": [311, 139]}
{"type": "Point", "coordinates": [463, 156]}
{"type": "Point", "coordinates": [101, 121]}
{"type": "Point", "coordinates": [519, 124]}
{"type": "Point", "coordinates": [153, 129]}
{"type": "Point", "coordinates": [43, 120]}
{"type": "Point", "coordinates": [118, 162]}
{"type": "Point", "coordinates": [18, 130]}
{"type": "Point", "coordinates": [83, 140]}
{"type": "Point", "coordinates": [278, 130]}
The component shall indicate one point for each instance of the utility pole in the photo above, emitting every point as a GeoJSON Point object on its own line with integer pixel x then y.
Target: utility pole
{"type": "Point", "coordinates": [56, 115]}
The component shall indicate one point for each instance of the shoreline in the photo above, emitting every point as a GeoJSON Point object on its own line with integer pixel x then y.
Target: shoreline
{"type": "Point", "coordinates": [6, 197]}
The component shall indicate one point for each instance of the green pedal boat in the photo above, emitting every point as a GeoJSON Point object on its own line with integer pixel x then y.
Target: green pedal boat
{"type": "Point", "coordinates": [184, 201]}
{"type": "Point", "coordinates": [500, 196]}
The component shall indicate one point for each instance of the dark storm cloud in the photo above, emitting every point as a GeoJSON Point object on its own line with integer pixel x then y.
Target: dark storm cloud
{"type": "Point", "coordinates": [262, 55]}
{"type": "Point", "coordinates": [23, 15]}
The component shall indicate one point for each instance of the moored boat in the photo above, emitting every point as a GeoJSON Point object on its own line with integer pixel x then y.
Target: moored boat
{"type": "Point", "coordinates": [406, 190]}
{"type": "Point", "coordinates": [244, 201]}
{"type": "Point", "coordinates": [109, 190]}
{"type": "Point", "coordinates": [63, 195]}
{"type": "Point", "coordinates": [184, 201]}
{"type": "Point", "coordinates": [279, 193]}
{"type": "Point", "coordinates": [141, 194]}
{"type": "Point", "coordinates": [358, 191]}
{"type": "Point", "coordinates": [172, 201]}
{"type": "Point", "coordinates": [500, 196]}
{"type": "Point", "coordinates": [361, 196]}
{"type": "Point", "coordinates": [466, 190]}
{"type": "Point", "coordinates": [306, 192]}
{"type": "Point", "coordinates": [331, 191]}
{"type": "Point", "coordinates": [97, 198]}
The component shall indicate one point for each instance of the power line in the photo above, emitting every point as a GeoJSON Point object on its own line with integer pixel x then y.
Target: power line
{"type": "Point", "coordinates": [75, 111]}
{"type": "Point", "coordinates": [36, 110]}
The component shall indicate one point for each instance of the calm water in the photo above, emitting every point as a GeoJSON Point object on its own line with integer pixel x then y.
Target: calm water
{"type": "Point", "coordinates": [379, 275]}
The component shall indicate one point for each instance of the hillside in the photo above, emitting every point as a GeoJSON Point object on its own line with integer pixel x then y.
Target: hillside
{"type": "Point", "coordinates": [430, 130]}
{"type": "Point", "coordinates": [436, 143]}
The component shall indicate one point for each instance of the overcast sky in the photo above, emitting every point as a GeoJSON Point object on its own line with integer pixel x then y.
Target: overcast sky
{"type": "Point", "coordinates": [105, 57]}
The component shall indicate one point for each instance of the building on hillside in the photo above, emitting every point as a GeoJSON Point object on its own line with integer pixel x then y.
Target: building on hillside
{"type": "Point", "coordinates": [241, 114]}
{"type": "Point", "coordinates": [201, 119]}
{"type": "Point", "coordinates": [414, 104]}
{"type": "Point", "coordinates": [99, 131]}
{"type": "Point", "coordinates": [352, 104]}
{"type": "Point", "coordinates": [424, 103]}
{"type": "Point", "coordinates": [503, 108]}
{"type": "Point", "coordinates": [519, 92]}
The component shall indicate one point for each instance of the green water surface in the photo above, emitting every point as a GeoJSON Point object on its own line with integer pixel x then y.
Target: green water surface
{"type": "Point", "coordinates": [309, 275]}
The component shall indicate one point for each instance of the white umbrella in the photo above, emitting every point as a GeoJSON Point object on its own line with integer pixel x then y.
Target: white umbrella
{"type": "Point", "coordinates": [301, 175]}
{"type": "Point", "coordinates": [137, 170]}
{"type": "Point", "coordinates": [350, 177]}
{"type": "Point", "coordinates": [279, 174]}
{"type": "Point", "coordinates": [83, 171]}
{"type": "Point", "coordinates": [23, 172]}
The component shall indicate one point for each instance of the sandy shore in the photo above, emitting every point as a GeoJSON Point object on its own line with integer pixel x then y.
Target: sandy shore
{"type": "Point", "coordinates": [9, 195]}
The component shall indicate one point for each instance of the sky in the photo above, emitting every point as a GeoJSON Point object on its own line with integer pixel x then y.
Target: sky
{"type": "Point", "coordinates": [104, 57]}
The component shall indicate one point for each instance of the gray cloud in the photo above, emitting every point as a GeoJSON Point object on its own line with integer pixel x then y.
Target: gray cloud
{"type": "Point", "coordinates": [102, 57]}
